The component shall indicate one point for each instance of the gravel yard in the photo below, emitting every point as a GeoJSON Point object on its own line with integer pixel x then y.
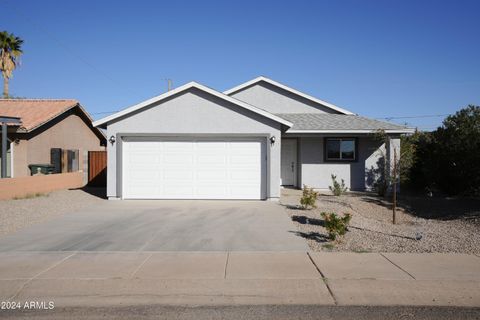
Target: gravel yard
{"type": "Point", "coordinates": [21, 213]}
{"type": "Point", "coordinates": [371, 228]}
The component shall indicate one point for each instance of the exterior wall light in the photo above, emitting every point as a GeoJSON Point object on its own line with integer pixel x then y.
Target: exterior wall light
{"type": "Point", "coordinates": [112, 140]}
{"type": "Point", "coordinates": [272, 139]}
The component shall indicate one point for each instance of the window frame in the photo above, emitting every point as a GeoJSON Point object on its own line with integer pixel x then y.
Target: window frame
{"type": "Point", "coordinates": [340, 160]}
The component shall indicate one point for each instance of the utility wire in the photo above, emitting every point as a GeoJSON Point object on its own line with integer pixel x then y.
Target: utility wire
{"type": "Point", "coordinates": [67, 49]}
{"type": "Point", "coordinates": [415, 117]}
{"type": "Point", "coordinates": [105, 112]}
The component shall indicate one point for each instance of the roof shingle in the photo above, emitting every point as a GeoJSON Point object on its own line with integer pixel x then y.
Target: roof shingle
{"type": "Point", "coordinates": [326, 121]}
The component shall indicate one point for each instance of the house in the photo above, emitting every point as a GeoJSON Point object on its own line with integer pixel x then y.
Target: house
{"type": "Point", "coordinates": [194, 142]}
{"type": "Point", "coordinates": [46, 124]}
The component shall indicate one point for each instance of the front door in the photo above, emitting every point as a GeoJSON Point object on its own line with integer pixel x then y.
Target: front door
{"type": "Point", "coordinates": [289, 162]}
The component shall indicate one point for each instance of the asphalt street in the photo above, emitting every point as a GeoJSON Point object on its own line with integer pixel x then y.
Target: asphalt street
{"type": "Point", "coordinates": [249, 312]}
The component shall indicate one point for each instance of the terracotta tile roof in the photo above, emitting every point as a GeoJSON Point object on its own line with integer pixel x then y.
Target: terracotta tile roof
{"type": "Point", "coordinates": [34, 112]}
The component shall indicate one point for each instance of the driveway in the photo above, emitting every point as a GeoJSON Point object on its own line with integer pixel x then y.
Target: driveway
{"type": "Point", "coordinates": [139, 225]}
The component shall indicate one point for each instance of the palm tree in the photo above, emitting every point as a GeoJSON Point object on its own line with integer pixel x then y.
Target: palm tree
{"type": "Point", "coordinates": [10, 52]}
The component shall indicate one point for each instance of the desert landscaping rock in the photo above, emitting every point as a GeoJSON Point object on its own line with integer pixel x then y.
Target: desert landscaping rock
{"type": "Point", "coordinates": [371, 228]}
{"type": "Point", "coordinates": [21, 213]}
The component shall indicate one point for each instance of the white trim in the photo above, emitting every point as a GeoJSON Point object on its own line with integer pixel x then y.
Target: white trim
{"type": "Point", "coordinates": [286, 88]}
{"type": "Point", "coordinates": [186, 87]}
{"type": "Point", "coordinates": [406, 130]}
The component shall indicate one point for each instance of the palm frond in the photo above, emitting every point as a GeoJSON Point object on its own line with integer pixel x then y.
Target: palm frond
{"type": "Point", "coordinates": [10, 52]}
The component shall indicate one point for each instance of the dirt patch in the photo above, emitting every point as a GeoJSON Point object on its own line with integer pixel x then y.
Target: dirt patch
{"type": "Point", "coordinates": [371, 228]}
{"type": "Point", "coordinates": [36, 208]}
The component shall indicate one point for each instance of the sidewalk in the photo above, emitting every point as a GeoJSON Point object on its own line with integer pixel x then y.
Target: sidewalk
{"type": "Point", "coordinates": [240, 278]}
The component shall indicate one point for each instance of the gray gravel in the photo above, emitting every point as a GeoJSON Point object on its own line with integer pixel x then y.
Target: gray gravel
{"type": "Point", "coordinates": [371, 228]}
{"type": "Point", "coordinates": [18, 214]}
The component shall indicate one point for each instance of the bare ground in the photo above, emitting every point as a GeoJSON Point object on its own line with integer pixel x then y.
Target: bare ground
{"type": "Point", "coordinates": [21, 213]}
{"type": "Point", "coordinates": [371, 230]}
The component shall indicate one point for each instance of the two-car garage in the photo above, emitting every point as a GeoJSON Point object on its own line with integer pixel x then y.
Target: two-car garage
{"type": "Point", "coordinates": [162, 168]}
{"type": "Point", "coordinates": [193, 143]}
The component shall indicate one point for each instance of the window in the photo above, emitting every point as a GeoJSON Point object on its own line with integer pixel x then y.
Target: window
{"type": "Point", "coordinates": [340, 149]}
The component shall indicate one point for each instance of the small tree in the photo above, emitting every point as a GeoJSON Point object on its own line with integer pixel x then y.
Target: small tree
{"type": "Point", "coordinates": [390, 177]}
{"type": "Point", "coordinates": [337, 188]}
{"type": "Point", "coordinates": [336, 225]}
{"type": "Point", "coordinates": [309, 198]}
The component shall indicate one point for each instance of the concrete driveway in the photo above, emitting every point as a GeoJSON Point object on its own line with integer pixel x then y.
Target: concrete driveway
{"type": "Point", "coordinates": [164, 226]}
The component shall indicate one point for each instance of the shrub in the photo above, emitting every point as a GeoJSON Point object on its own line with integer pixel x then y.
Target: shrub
{"type": "Point", "coordinates": [338, 188]}
{"type": "Point", "coordinates": [447, 159]}
{"type": "Point", "coordinates": [309, 197]}
{"type": "Point", "coordinates": [381, 187]}
{"type": "Point", "coordinates": [336, 225]}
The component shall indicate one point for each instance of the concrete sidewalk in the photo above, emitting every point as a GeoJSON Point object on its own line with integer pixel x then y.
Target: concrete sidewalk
{"type": "Point", "coordinates": [240, 278]}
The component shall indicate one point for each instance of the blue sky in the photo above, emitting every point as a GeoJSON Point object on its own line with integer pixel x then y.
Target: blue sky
{"type": "Point", "coordinates": [376, 58]}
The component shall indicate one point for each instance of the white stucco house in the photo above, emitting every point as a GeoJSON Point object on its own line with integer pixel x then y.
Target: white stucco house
{"type": "Point", "coordinates": [194, 142]}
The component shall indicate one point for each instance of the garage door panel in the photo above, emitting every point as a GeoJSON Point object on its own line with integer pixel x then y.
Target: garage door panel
{"type": "Point", "coordinates": [211, 175]}
{"type": "Point", "coordinates": [194, 169]}
{"type": "Point", "coordinates": [245, 176]}
{"type": "Point", "coordinates": [208, 190]}
{"type": "Point", "coordinates": [144, 176]}
{"type": "Point", "coordinates": [211, 159]}
{"type": "Point", "coordinates": [178, 190]}
{"type": "Point", "coordinates": [178, 174]}
{"type": "Point", "coordinates": [243, 159]}
{"type": "Point", "coordinates": [177, 158]}
{"type": "Point", "coordinates": [177, 147]}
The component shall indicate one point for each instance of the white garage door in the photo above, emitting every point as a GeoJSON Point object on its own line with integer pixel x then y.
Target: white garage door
{"type": "Point", "coordinates": [199, 169]}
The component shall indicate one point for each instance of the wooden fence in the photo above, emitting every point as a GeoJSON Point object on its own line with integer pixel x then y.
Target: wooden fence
{"type": "Point", "coordinates": [97, 168]}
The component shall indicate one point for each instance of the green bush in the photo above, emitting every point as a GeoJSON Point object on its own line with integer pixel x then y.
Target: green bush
{"type": "Point", "coordinates": [336, 225]}
{"type": "Point", "coordinates": [338, 188]}
{"type": "Point", "coordinates": [309, 197]}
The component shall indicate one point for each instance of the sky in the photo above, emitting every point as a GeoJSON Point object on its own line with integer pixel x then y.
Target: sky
{"type": "Point", "coordinates": [380, 59]}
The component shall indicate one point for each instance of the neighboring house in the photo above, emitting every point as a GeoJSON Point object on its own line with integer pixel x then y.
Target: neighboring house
{"type": "Point", "coordinates": [47, 124]}
{"type": "Point", "coordinates": [197, 143]}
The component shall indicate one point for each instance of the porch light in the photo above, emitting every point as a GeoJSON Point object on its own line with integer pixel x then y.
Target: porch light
{"type": "Point", "coordinates": [112, 140]}
{"type": "Point", "coordinates": [272, 139]}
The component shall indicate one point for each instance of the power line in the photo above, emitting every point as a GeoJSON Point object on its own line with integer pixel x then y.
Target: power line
{"type": "Point", "coordinates": [67, 49]}
{"type": "Point", "coordinates": [105, 112]}
{"type": "Point", "coordinates": [416, 117]}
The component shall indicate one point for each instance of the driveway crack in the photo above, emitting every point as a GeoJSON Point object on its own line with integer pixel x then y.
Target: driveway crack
{"type": "Point", "coordinates": [38, 274]}
{"type": "Point", "coordinates": [141, 265]}
{"type": "Point", "coordinates": [226, 265]}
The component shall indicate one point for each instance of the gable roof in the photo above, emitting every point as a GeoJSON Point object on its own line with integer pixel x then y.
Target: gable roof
{"type": "Point", "coordinates": [102, 122]}
{"type": "Point", "coordinates": [34, 113]}
{"type": "Point", "coordinates": [286, 88]}
{"type": "Point", "coordinates": [338, 123]}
